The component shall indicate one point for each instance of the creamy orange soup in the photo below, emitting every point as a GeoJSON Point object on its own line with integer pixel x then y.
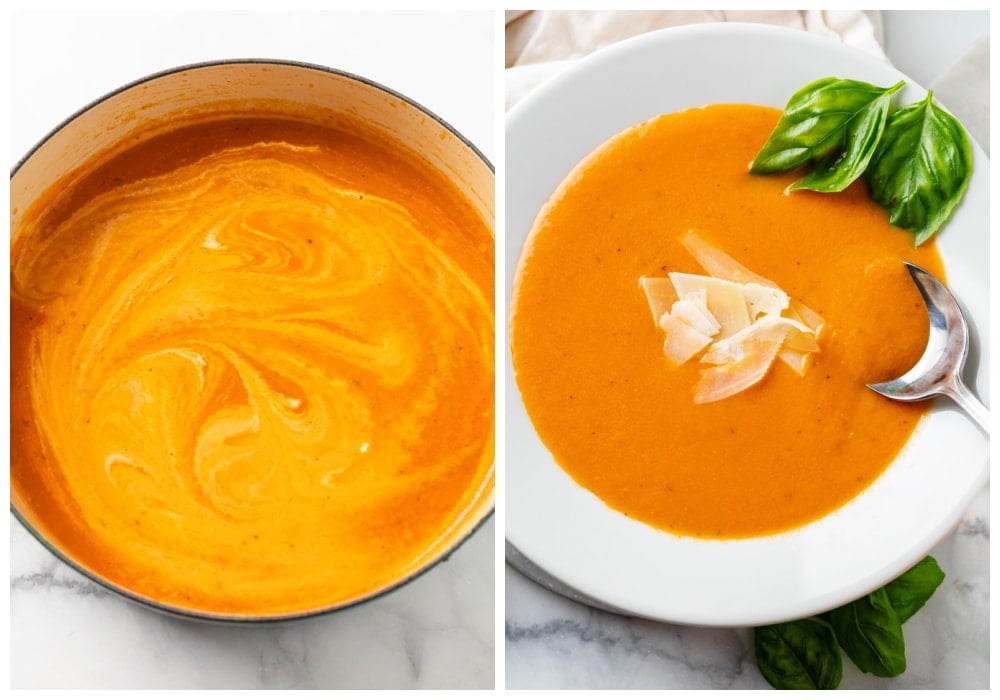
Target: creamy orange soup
{"type": "Point", "coordinates": [589, 360]}
{"type": "Point", "coordinates": [252, 365]}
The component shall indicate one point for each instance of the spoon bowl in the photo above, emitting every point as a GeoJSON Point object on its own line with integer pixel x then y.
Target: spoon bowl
{"type": "Point", "coordinates": [939, 369]}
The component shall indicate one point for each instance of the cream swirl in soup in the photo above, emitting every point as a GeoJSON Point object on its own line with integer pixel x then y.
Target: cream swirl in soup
{"type": "Point", "coordinates": [257, 378]}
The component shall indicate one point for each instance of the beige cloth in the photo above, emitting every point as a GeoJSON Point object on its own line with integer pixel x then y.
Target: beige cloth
{"type": "Point", "coordinates": [536, 36]}
{"type": "Point", "coordinates": [540, 43]}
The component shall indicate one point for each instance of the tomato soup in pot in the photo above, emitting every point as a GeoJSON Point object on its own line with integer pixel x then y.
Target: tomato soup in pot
{"type": "Point", "coordinates": [252, 362]}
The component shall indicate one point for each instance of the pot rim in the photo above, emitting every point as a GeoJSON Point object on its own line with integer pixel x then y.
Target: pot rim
{"type": "Point", "coordinates": [199, 65]}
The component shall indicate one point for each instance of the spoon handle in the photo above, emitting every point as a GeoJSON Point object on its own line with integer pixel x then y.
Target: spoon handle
{"type": "Point", "coordinates": [970, 404]}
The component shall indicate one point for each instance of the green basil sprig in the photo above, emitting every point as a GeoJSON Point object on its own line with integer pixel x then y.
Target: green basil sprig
{"type": "Point", "coordinates": [832, 123]}
{"type": "Point", "coordinates": [798, 655]}
{"type": "Point", "coordinates": [870, 633]}
{"type": "Point", "coordinates": [909, 592]}
{"type": "Point", "coordinates": [922, 168]}
{"type": "Point", "coordinates": [804, 654]}
{"type": "Point", "coordinates": [917, 160]}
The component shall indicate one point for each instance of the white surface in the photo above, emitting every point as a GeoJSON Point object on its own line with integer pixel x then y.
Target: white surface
{"type": "Point", "coordinates": [924, 43]}
{"type": "Point", "coordinates": [438, 631]}
{"type": "Point", "coordinates": [62, 61]}
{"type": "Point", "coordinates": [627, 565]}
{"type": "Point", "coordinates": [552, 642]}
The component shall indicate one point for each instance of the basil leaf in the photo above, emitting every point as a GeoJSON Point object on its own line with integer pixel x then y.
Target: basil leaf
{"type": "Point", "coordinates": [833, 122]}
{"type": "Point", "coordinates": [870, 633]}
{"type": "Point", "coordinates": [861, 138]}
{"type": "Point", "coordinates": [922, 167]}
{"type": "Point", "coordinates": [799, 655]}
{"type": "Point", "coordinates": [911, 590]}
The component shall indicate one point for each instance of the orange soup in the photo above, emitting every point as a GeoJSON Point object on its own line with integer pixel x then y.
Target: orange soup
{"type": "Point", "coordinates": [252, 365]}
{"type": "Point", "coordinates": [589, 358]}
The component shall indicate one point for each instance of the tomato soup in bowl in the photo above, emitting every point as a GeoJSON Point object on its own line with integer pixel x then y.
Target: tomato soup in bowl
{"type": "Point", "coordinates": [252, 340]}
{"type": "Point", "coordinates": [589, 359]}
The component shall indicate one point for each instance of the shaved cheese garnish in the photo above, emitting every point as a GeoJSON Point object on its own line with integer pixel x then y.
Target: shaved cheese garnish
{"type": "Point", "coordinates": [692, 309]}
{"type": "Point", "coordinates": [807, 316]}
{"type": "Point", "coordinates": [748, 361]}
{"type": "Point", "coordinates": [796, 359]}
{"type": "Point", "coordinates": [802, 340]}
{"type": "Point", "coordinates": [735, 348]}
{"type": "Point", "coordinates": [660, 295]}
{"type": "Point", "coordinates": [764, 300]}
{"type": "Point", "coordinates": [746, 321]}
{"type": "Point", "coordinates": [799, 345]}
{"type": "Point", "coordinates": [720, 264]}
{"type": "Point", "coordinates": [682, 342]}
{"type": "Point", "coordinates": [726, 301]}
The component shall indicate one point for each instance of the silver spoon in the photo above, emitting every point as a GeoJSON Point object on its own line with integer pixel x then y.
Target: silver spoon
{"type": "Point", "coordinates": [939, 369]}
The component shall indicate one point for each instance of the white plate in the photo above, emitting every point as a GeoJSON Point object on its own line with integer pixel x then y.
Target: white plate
{"type": "Point", "coordinates": [621, 563]}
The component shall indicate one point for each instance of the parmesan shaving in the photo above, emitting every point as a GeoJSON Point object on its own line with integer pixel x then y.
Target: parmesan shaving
{"type": "Point", "coordinates": [721, 265]}
{"type": "Point", "coordinates": [682, 342]}
{"type": "Point", "coordinates": [798, 360]}
{"type": "Point", "coordinates": [744, 320]}
{"type": "Point", "coordinates": [693, 310]}
{"type": "Point", "coordinates": [764, 300]}
{"type": "Point", "coordinates": [726, 301]}
{"type": "Point", "coordinates": [660, 295]}
{"type": "Point", "coordinates": [750, 363]}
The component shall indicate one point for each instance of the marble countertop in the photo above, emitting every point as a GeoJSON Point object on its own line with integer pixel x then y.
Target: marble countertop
{"type": "Point", "coordinates": [436, 632]}
{"type": "Point", "coordinates": [553, 642]}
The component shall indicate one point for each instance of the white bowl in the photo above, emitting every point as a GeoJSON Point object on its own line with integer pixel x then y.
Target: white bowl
{"type": "Point", "coordinates": [622, 564]}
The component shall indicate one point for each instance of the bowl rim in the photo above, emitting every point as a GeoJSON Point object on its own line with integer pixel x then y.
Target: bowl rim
{"type": "Point", "coordinates": [242, 618]}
